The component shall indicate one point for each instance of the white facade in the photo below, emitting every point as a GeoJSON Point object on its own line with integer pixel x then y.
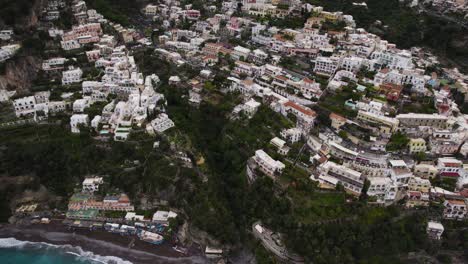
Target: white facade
{"type": "Point", "coordinates": [415, 120]}
{"type": "Point", "coordinates": [72, 76]}
{"type": "Point", "coordinates": [162, 123]}
{"type": "Point", "coordinates": [455, 209]}
{"type": "Point", "coordinates": [70, 44]}
{"type": "Point", "coordinates": [77, 120]}
{"type": "Point", "coordinates": [240, 52]}
{"type": "Point", "coordinates": [435, 230]}
{"type": "Point", "coordinates": [6, 34]}
{"type": "Point", "coordinates": [24, 106]}
{"type": "Point", "coordinates": [267, 164]}
{"type": "Point", "coordinates": [162, 217]}
{"type": "Point", "coordinates": [292, 135]}
{"type": "Point", "coordinates": [80, 105]}
{"type": "Point", "coordinates": [326, 66]}
{"type": "Point", "coordinates": [53, 64]}
{"type": "Point", "coordinates": [92, 184]}
{"type": "Point", "coordinates": [350, 179]}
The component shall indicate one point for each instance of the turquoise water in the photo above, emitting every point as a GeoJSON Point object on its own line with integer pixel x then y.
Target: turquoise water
{"type": "Point", "coordinates": [13, 251]}
{"type": "Point", "coordinates": [22, 256]}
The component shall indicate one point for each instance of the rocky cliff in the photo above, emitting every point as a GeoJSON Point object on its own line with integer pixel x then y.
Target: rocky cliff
{"type": "Point", "coordinates": [19, 73]}
{"type": "Point", "coordinates": [21, 14]}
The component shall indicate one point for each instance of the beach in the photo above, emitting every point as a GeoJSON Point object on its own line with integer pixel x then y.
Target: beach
{"type": "Point", "coordinates": [102, 243]}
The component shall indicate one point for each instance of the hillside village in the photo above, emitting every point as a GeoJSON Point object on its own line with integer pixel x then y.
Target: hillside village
{"type": "Point", "coordinates": [350, 112]}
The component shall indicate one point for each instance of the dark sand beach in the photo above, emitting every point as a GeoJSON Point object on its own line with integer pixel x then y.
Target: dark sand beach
{"type": "Point", "coordinates": [102, 243]}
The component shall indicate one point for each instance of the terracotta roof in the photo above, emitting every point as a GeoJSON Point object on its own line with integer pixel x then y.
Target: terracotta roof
{"type": "Point", "coordinates": [247, 82]}
{"type": "Point", "coordinates": [450, 174]}
{"type": "Point", "coordinates": [281, 77]}
{"type": "Point", "coordinates": [307, 80]}
{"type": "Point", "coordinates": [299, 108]}
{"type": "Point", "coordinates": [458, 202]}
{"type": "Point", "coordinates": [210, 57]}
{"type": "Point", "coordinates": [279, 37]}
{"type": "Point", "coordinates": [336, 116]}
{"type": "Point", "coordinates": [243, 63]}
{"type": "Point", "coordinates": [214, 44]}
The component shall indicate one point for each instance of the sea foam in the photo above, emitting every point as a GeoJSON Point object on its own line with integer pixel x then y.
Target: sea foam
{"type": "Point", "coordinates": [77, 252]}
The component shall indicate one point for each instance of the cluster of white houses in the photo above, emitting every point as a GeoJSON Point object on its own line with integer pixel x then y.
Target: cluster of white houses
{"type": "Point", "coordinates": [343, 57]}
{"type": "Point", "coordinates": [8, 51]}
{"type": "Point", "coordinates": [349, 59]}
{"type": "Point", "coordinates": [135, 95]}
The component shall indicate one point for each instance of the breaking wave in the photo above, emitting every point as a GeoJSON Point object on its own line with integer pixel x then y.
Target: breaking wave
{"type": "Point", "coordinates": [76, 252]}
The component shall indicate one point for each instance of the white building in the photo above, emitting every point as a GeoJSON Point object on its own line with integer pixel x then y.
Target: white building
{"type": "Point", "coordinates": [162, 217]}
{"type": "Point", "coordinates": [326, 66]}
{"type": "Point", "coordinates": [416, 120]}
{"type": "Point", "coordinates": [267, 164]}
{"type": "Point", "coordinates": [8, 51]}
{"type": "Point", "coordinates": [399, 172]}
{"type": "Point", "coordinates": [380, 188]}
{"type": "Point", "coordinates": [92, 184]}
{"type": "Point", "coordinates": [292, 135]}
{"type": "Point", "coordinates": [434, 230]}
{"type": "Point", "coordinates": [76, 120]}
{"type": "Point", "coordinates": [162, 123]}
{"type": "Point", "coordinates": [240, 52]}
{"type": "Point", "coordinates": [150, 10]}
{"type": "Point", "coordinates": [351, 180]}
{"type": "Point", "coordinates": [455, 209]}
{"type": "Point", "coordinates": [251, 107]}
{"type": "Point", "coordinates": [80, 105]}
{"type": "Point", "coordinates": [6, 34]}
{"type": "Point", "coordinates": [24, 106]}
{"type": "Point", "coordinates": [53, 64]}
{"type": "Point", "coordinates": [72, 76]}
{"type": "Point", "coordinates": [70, 44]}
{"type": "Point", "coordinates": [96, 121]}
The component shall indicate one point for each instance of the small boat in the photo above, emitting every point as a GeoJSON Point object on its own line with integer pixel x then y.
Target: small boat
{"type": "Point", "coordinates": [151, 237]}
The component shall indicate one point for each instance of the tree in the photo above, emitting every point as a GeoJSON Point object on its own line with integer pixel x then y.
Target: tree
{"type": "Point", "coordinates": [365, 188]}
{"type": "Point", "coordinates": [398, 142]}
{"type": "Point", "coordinates": [343, 134]}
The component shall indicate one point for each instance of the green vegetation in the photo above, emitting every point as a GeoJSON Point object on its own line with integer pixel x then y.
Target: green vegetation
{"type": "Point", "coordinates": [423, 105]}
{"type": "Point", "coordinates": [114, 214]}
{"type": "Point", "coordinates": [286, 22]}
{"type": "Point", "coordinates": [95, 109]}
{"type": "Point", "coordinates": [336, 102]}
{"type": "Point", "coordinates": [460, 100]}
{"type": "Point", "coordinates": [117, 11]}
{"type": "Point", "coordinates": [333, 26]}
{"type": "Point", "coordinates": [445, 183]}
{"type": "Point", "coordinates": [398, 142]}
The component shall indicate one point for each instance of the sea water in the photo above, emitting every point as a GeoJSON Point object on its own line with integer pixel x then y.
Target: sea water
{"type": "Point", "coordinates": [13, 251]}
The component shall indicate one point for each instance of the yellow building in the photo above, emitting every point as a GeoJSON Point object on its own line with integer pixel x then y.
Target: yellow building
{"type": "Point", "coordinates": [331, 16]}
{"type": "Point", "coordinates": [416, 145]}
{"type": "Point", "coordinates": [386, 124]}
{"type": "Point", "coordinates": [419, 184]}
{"type": "Point", "coordinates": [426, 171]}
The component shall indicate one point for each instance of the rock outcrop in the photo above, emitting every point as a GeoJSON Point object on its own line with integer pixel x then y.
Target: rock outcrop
{"type": "Point", "coordinates": [19, 73]}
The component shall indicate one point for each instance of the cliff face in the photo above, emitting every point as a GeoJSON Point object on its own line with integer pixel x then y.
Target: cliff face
{"type": "Point", "coordinates": [21, 14]}
{"type": "Point", "coordinates": [19, 73]}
